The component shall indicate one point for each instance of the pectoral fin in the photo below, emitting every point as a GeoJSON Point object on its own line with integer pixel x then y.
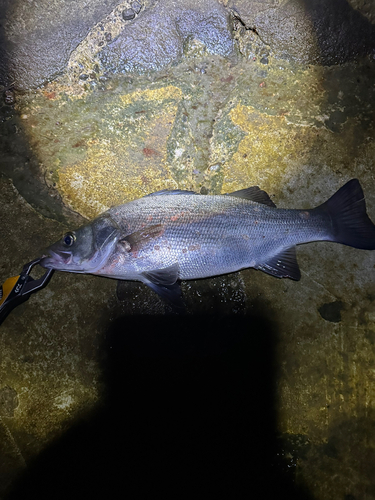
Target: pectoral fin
{"type": "Point", "coordinates": [165, 276]}
{"type": "Point", "coordinates": [164, 283]}
{"type": "Point", "coordinates": [282, 265]}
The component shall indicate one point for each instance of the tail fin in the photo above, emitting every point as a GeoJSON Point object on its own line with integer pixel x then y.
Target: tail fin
{"type": "Point", "coordinates": [350, 222]}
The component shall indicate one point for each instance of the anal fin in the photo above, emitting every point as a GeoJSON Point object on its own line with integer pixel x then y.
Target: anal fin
{"type": "Point", "coordinates": [282, 265]}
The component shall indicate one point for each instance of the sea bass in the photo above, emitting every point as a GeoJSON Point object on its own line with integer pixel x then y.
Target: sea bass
{"type": "Point", "coordinates": [169, 236]}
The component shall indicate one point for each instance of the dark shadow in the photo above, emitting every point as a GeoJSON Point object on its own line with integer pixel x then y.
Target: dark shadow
{"type": "Point", "coordinates": [342, 33]}
{"type": "Point", "coordinates": [188, 410]}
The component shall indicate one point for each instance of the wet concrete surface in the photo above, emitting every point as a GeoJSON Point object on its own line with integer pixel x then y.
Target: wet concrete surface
{"type": "Point", "coordinates": [48, 361]}
{"type": "Point", "coordinates": [265, 383]}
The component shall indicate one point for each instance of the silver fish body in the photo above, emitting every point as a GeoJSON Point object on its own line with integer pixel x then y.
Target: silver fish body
{"type": "Point", "coordinates": [169, 236]}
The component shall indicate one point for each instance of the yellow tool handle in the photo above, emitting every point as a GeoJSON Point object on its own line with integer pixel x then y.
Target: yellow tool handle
{"type": "Point", "coordinates": [7, 287]}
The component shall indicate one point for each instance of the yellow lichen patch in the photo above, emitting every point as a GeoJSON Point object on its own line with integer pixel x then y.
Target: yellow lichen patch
{"type": "Point", "coordinates": [275, 154]}
{"type": "Point", "coordinates": [101, 181]}
{"type": "Point", "coordinates": [126, 166]}
{"type": "Point", "coordinates": [267, 153]}
{"type": "Point", "coordinates": [163, 93]}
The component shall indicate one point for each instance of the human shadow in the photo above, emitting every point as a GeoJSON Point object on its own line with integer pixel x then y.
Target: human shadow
{"type": "Point", "coordinates": [188, 409]}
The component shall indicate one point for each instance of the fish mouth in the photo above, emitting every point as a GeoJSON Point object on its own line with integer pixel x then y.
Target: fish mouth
{"type": "Point", "coordinates": [59, 260]}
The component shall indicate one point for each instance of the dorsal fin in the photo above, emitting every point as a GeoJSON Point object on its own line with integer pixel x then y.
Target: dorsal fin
{"type": "Point", "coordinates": [254, 193]}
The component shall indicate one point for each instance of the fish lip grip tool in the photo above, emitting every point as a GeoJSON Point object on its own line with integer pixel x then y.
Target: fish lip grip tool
{"type": "Point", "coordinates": [18, 289]}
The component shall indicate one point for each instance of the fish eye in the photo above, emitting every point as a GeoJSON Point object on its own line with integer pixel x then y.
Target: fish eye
{"type": "Point", "coordinates": [69, 239]}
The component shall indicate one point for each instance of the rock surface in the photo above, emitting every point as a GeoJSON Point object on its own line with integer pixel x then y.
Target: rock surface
{"type": "Point", "coordinates": [38, 42]}
{"type": "Point", "coordinates": [37, 38]}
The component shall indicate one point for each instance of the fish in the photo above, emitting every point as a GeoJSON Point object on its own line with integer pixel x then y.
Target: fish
{"type": "Point", "coordinates": [173, 235]}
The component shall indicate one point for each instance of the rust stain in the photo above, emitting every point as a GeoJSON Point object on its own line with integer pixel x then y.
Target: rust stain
{"type": "Point", "coordinates": [79, 144]}
{"type": "Point", "coordinates": [228, 79]}
{"type": "Point", "coordinates": [149, 153]}
{"type": "Point", "coordinates": [50, 95]}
